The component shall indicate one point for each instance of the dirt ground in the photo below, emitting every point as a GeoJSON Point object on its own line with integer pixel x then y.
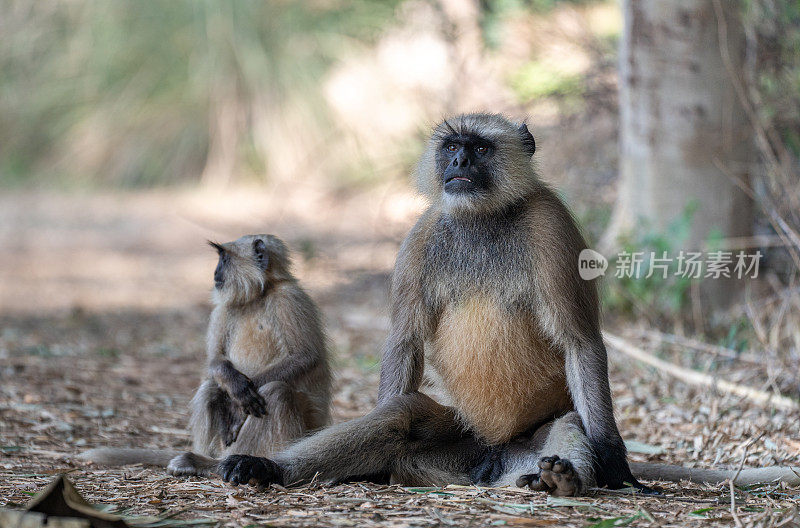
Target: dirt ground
{"type": "Point", "coordinates": [103, 306]}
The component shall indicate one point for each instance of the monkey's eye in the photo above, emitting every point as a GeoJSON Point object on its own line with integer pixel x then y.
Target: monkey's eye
{"type": "Point", "coordinates": [452, 147]}
{"type": "Point", "coordinates": [481, 149]}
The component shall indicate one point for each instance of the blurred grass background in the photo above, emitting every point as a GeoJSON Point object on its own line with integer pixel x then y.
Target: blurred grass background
{"type": "Point", "coordinates": [336, 96]}
{"type": "Point", "coordinates": [134, 94]}
{"type": "Point", "coordinates": [147, 93]}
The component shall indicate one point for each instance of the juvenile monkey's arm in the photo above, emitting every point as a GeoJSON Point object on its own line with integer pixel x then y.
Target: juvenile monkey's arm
{"type": "Point", "coordinates": [301, 338]}
{"type": "Point", "coordinates": [225, 375]}
{"type": "Point", "coordinates": [240, 388]}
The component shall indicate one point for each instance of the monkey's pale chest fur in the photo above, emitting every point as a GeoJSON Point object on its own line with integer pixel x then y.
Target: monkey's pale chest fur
{"type": "Point", "coordinates": [251, 345]}
{"type": "Point", "coordinates": [499, 374]}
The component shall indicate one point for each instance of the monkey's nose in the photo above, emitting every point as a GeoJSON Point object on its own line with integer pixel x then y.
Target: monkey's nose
{"type": "Point", "coordinates": [461, 160]}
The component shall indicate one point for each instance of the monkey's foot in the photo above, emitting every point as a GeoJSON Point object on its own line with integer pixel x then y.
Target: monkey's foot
{"type": "Point", "coordinates": [490, 468]}
{"type": "Point", "coordinates": [246, 469]}
{"type": "Point", "coordinates": [557, 477]}
{"type": "Point", "coordinates": [187, 465]}
{"type": "Point", "coordinates": [235, 421]}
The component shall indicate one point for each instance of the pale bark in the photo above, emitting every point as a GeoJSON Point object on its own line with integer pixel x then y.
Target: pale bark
{"type": "Point", "coordinates": [682, 127]}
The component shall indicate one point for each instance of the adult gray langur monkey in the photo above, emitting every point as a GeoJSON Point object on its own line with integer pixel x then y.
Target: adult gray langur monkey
{"type": "Point", "coordinates": [486, 293]}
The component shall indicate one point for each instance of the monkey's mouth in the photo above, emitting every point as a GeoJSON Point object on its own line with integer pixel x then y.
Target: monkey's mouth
{"type": "Point", "coordinates": [459, 185]}
{"type": "Point", "coordinates": [457, 178]}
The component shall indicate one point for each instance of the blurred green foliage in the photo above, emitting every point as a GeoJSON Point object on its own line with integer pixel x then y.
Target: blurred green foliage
{"type": "Point", "coordinates": [125, 92]}
{"type": "Point", "coordinates": [494, 12]}
{"type": "Point", "coordinates": [773, 29]}
{"type": "Point", "coordinates": [538, 79]}
{"type": "Point", "coordinates": [653, 298]}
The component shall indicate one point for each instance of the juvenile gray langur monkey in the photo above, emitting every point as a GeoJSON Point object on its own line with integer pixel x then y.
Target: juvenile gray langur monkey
{"type": "Point", "coordinates": [268, 380]}
{"type": "Point", "coordinates": [486, 293]}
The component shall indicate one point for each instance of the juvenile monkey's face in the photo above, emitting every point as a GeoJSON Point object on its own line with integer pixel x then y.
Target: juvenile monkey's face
{"type": "Point", "coordinates": [247, 266]}
{"type": "Point", "coordinates": [224, 261]}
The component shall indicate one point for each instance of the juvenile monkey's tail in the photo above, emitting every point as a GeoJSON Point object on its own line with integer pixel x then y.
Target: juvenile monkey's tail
{"type": "Point", "coordinates": [111, 456]}
{"type": "Point", "coordinates": [746, 477]}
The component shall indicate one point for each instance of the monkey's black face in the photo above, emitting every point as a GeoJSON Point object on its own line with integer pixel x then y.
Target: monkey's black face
{"type": "Point", "coordinates": [219, 272]}
{"type": "Point", "coordinates": [464, 162]}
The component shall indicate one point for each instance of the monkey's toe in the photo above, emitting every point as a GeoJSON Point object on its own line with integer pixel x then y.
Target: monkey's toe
{"type": "Point", "coordinates": [560, 476]}
{"type": "Point", "coordinates": [546, 463]}
{"type": "Point", "coordinates": [532, 481]}
{"type": "Point", "coordinates": [246, 469]}
{"type": "Point", "coordinates": [182, 465]}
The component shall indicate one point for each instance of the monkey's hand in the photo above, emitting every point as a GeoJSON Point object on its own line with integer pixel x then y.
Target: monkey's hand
{"type": "Point", "coordinates": [612, 469]}
{"type": "Point", "coordinates": [246, 469]}
{"type": "Point", "coordinates": [244, 393]}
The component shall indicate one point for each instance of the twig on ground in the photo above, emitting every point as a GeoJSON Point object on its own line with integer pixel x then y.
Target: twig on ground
{"type": "Point", "coordinates": [733, 479]}
{"type": "Point", "coordinates": [705, 347]}
{"type": "Point", "coordinates": [698, 378]}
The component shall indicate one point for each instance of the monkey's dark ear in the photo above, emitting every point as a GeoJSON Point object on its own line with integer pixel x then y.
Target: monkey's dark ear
{"type": "Point", "coordinates": [216, 246]}
{"type": "Point", "coordinates": [527, 139]}
{"type": "Point", "coordinates": [260, 252]}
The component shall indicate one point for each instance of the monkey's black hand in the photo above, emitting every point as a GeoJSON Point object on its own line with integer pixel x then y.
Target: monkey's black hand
{"type": "Point", "coordinates": [246, 469]}
{"type": "Point", "coordinates": [244, 392]}
{"type": "Point", "coordinates": [612, 470]}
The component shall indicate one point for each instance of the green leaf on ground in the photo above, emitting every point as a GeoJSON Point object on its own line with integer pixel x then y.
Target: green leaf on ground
{"type": "Point", "coordinates": [701, 513]}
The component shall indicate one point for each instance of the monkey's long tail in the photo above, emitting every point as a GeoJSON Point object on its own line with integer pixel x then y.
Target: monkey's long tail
{"type": "Point", "coordinates": [111, 456]}
{"type": "Point", "coordinates": [747, 477]}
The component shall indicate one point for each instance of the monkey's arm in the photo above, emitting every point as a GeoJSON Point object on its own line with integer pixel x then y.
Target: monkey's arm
{"type": "Point", "coordinates": [240, 388]}
{"type": "Point", "coordinates": [302, 340]}
{"type": "Point", "coordinates": [224, 374]}
{"type": "Point", "coordinates": [402, 365]}
{"type": "Point", "coordinates": [568, 310]}
{"type": "Point", "coordinates": [403, 360]}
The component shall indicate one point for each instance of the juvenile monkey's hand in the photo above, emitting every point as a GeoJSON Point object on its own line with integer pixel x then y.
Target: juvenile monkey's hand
{"type": "Point", "coordinates": [244, 393]}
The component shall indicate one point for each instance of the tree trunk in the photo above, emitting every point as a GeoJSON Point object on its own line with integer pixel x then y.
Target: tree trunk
{"type": "Point", "coordinates": [683, 132]}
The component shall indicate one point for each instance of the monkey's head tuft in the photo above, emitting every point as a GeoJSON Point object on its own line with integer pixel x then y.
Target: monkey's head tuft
{"type": "Point", "coordinates": [477, 163]}
{"type": "Point", "coordinates": [248, 266]}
